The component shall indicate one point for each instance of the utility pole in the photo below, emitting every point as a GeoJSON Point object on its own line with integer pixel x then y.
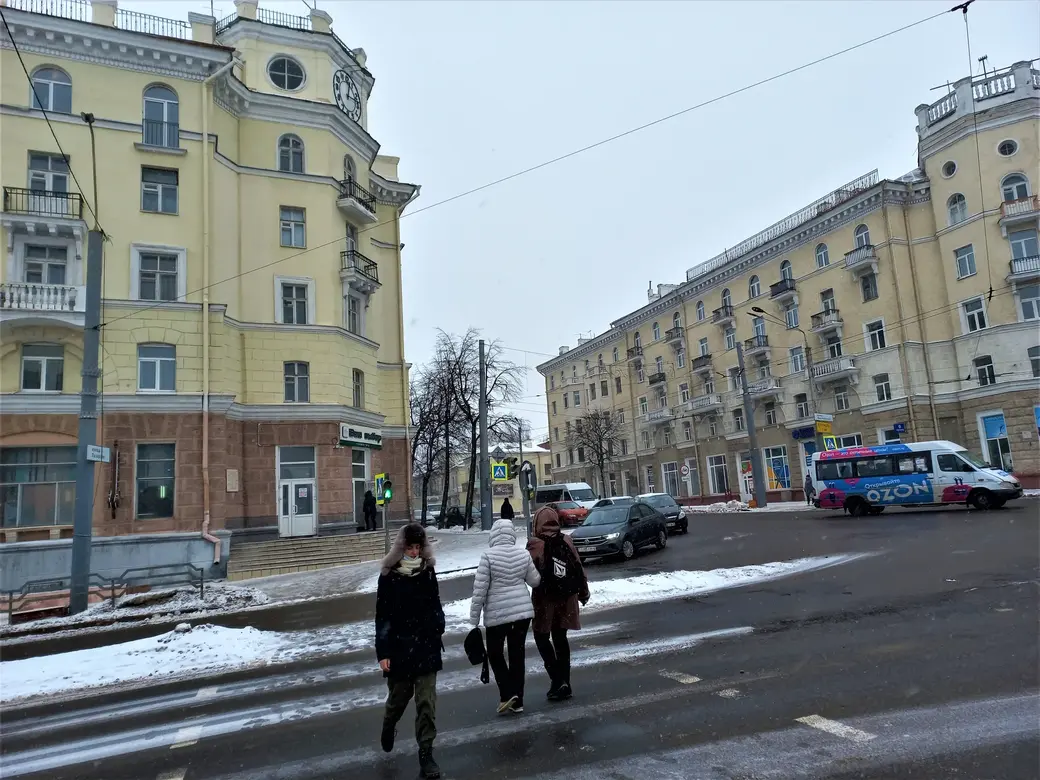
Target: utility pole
{"type": "Point", "coordinates": [749, 416]}
{"type": "Point", "coordinates": [485, 462]}
{"type": "Point", "coordinates": [82, 528]}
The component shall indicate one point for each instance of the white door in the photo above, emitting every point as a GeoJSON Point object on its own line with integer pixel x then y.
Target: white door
{"type": "Point", "coordinates": [296, 515]}
{"type": "Point", "coordinates": [747, 480]}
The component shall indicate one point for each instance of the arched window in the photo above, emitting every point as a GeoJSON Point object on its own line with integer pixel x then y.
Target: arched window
{"type": "Point", "coordinates": [786, 272]}
{"type": "Point", "coordinates": [657, 331]}
{"type": "Point", "coordinates": [1015, 187]}
{"type": "Point", "coordinates": [290, 154]}
{"type": "Point", "coordinates": [754, 287]}
{"type": "Point", "coordinates": [676, 320]}
{"type": "Point", "coordinates": [636, 340]}
{"type": "Point", "coordinates": [956, 208]}
{"type": "Point", "coordinates": [285, 73]}
{"type": "Point", "coordinates": [822, 257]}
{"type": "Point", "coordinates": [700, 310]}
{"type": "Point", "coordinates": [160, 125]}
{"type": "Point", "coordinates": [349, 169]}
{"type": "Point", "coordinates": [52, 90]}
{"type": "Point", "coordinates": [862, 236]}
{"type": "Point", "coordinates": [727, 299]}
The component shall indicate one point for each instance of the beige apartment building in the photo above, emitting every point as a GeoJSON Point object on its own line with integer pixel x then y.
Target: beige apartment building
{"type": "Point", "coordinates": [905, 309]}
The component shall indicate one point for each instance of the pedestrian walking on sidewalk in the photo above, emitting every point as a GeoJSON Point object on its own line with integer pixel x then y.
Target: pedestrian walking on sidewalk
{"type": "Point", "coordinates": [409, 627]}
{"type": "Point", "coordinates": [563, 585]}
{"type": "Point", "coordinates": [500, 592]}
{"type": "Point", "coordinates": [368, 508]}
{"type": "Point", "coordinates": [506, 512]}
{"type": "Point", "coordinates": [810, 490]}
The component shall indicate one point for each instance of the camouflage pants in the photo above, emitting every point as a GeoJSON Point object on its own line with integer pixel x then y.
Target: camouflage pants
{"type": "Point", "coordinates": [425, 691]}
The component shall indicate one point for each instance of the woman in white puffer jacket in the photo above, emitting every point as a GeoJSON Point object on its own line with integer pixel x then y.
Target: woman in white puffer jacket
{"type": "Point", "coordinates": [500, 592]}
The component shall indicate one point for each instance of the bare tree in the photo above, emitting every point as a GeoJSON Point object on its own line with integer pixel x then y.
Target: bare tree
{"type": "Point", "coordinates": [427, 408]}
{"type": "Point", "coordinates": [597, 437]}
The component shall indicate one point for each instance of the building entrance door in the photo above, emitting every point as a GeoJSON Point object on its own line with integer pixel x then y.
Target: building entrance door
{"type": "Point", "coordinates": [296, 515]}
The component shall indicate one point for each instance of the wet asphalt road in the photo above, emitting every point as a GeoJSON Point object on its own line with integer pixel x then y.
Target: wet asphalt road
{"type": "Point", "coordinates": [920, 661]}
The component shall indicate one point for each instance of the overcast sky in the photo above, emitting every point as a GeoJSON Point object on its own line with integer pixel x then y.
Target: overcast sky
{"type": "Point", "coordinates": [469, 92]}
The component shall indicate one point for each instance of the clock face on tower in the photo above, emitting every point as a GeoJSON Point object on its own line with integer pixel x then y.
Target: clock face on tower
{"type": "Point", "coordinates": [347, 96]}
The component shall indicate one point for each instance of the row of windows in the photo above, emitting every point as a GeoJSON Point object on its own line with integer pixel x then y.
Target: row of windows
{"type": "Point", "coordinates": [43, 370]}
{"type": "Point", "coordinates": [1013, 187]}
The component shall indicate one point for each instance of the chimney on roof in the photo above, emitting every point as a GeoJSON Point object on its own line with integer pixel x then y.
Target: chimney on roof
{"type": "Point", "coordinates": [246, 9]}
{"type": "Point", "coordinates": [104, 12]}
{"type": "Point", "coordinates": [320, 21]}
{"type": "Point", "coordinates": [564, 350]}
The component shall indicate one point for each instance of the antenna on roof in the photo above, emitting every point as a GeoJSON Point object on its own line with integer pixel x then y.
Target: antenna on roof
{"type": "Point", "coordinates": [982, 63]}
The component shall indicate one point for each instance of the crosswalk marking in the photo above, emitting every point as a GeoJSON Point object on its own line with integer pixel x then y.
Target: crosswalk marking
{"type": "Point", "coordinates": [173, 774]}
{"type": "Point", "coordinates": [679, 677]}
{"type": "Point", "coordinates": [206, 693]}
{"type": "Point", "coordinates": [728, 693]}
{"type": "Point", "coordinates": [186, 737]}
{"type": "Point", "coordinates": [836, 728]}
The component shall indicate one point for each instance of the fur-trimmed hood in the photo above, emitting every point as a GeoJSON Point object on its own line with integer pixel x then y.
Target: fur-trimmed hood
{"type": "Point", "coordinates": [397, 552]}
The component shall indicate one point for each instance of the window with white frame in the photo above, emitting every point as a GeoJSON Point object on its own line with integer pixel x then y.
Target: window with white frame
{"type": "Point", "coordinates": [667, 433]}
{"type": "Point", "coordinates": [581, 454]}
{"type": "Point", "coordinates": [293, 226]}
{"type": "Point", "coordinates": [827, 300]}
{"type": "Point", "coordinates": [850, 440]}
{"type": "Point", "coordinates": [801, 406]}
{"type": "Point", "coordinates": [956, 209]}
{"type": "Point", "coordinates": [687, 426]}
{"type": "Point", "coordinates": [786, 271]}
{"type": "Point", "coordinates": [676, 320]}
{"type": "Point", "coordinates": [670, 478]}
{"type": "Point", "coordinates": [294, 304]}
{"type": "Point", "coordinates": [700, 310]}
{"type": "Point", "coordinates": [731, 338]}
{"type": "Point", "coordinates": [566, 401]}
{"type": "Point", "coordinates": [797, 359]}
{"type": "Point", "coordinates": [355, 316]}
{"type": "Point", "coordinates": [614, 354]}
{"type": "Point", "coordinates": [763, 369]}
{"type": "Point", "coordinates": [650, 479]}
{"type": "Point", "coordinates": [552, 381]}
{"type": "Point", "coordinates": [624, 446]}
{"type": "Point", "coordinates": [680, 358]}
{"type": "Point", "coordinates": [604, 388]}
{"type": "Point", "coordinates": [738, 419]}
{"type": "Point", "coordinates": [617, 385]}
{"type": "Point", "coordinates": [662, 399]}
{"type": "Point", "coordinates": [841, 398]}
{"type": "Point", "coordinates": [592, 391]}
{"type": "Point", "coordinates": [160, 117]}
{"type": "Point", "coordinates": [358, 377]}
{"type": "Point", "coordinates": [45, 264]}
{"type": "Point", "coordinates": [758, 326]}
{"type": "Point", "coordinates": [727, 298]}
{"type": "Point", "coordinates": [621, 416]}
{"type": "Point", "coordinates": [640, 374]}
{"type": "Point", "coordinates": [718, 481]}
{"type": "Point", "coordinates": [702, 346]}
{"type": "Point", "coordinates": [734, 378]}
{"type": "Point", "coordinates": [882, 387]}
{"type": "Point", "coordinates": [559, 464]}
{"type": "Point", "coordinates": [159, 190]}
{"type": "Point", "coordinates": [657, 331]}
{"type": "Point", "coordinates": [576, 398]}
{"type": "Point", "coordinates": [754, 287]}
{"type": "Point", "coordinates": [770, 408]}
{"type": "Point", "coordinates": [862, 236]}
{"type": "Point", "coordinates": [965, 257]}
{"type": "Point", "coordinates": [974, 315]}
{"type": "Point", "coordinates": [984, 370]}
{"type": "Point", "coordinates": [875, 335]}
{"type": "Point", "coordinates": [1029, 301]}
{"type": "Point", "coordinates": [646, 439]}
{"type": "Point", "coordinates": [1023, 243]}
{"type": "Point", "coordinates": [713, 427]}
{"type": "Point", "coordinates": [556, 434]}
{"type": "Point", "coordinates": [290, 154]}
{"type": "Point", "coordinates": [889, 436]}
{"type": "Point", "coordinates": [684, 392]}
{"type": "Point", "coordinates": [297, 382]}
{"type": "Point", "coordinates": [155, 471]}
{"type": "Point", "coordinates": [554, 408]}
{"type": "Point", "coordinates": [158, 277]}
{"type": "Point", "coordinates": [52, 90]}
{"type": "Point", "coordinates": [868, 286]}
{"type": "Point", "coordinates": [791, 315]}
{"type": "Point", "coordinates": [997, 449]}
{"type": "Point", "coordinates": [834, 347]}
{"type": "Point", "coordinates": [637, 340]}
{"type": "Point", "coordinates": [1014, 187]}
{"type": "Point", "coordinates": [823, 257]}
{"type": "Point", "coordinates": [156, 368]}
{"type": "Point", "coordinates": [709, 385]}
{"type": "Point", "coordinates": [43, 368]}
{"type": "Point", "coordinates": [1034, 361]}
{"type": "Point", "coordinates": [48, 173]}
{"type": "Point", "coordinates": [659, 365]}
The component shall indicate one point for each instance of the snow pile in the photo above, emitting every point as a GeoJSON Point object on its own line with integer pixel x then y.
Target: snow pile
{"type": "Point", "coordinates": [720, 507]}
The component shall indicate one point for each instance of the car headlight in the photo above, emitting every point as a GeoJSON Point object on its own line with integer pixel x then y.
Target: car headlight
{"type": "Point", "coordinates": [612, 536]}
{"type": "Point", "coordinates": [682, 514]}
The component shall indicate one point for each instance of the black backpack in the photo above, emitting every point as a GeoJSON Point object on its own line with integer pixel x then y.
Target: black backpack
{"type": "Point", "coordinates": [561, 571]}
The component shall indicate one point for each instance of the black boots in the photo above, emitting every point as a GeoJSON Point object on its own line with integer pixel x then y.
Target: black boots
{"type": "Point", "coordinates": [386, 737]}
{"type": "Point", "coordinates": [427, 766]}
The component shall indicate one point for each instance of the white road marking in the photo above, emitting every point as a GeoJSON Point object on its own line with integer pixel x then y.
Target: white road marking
{"type": "Point", "coordinates": [173, 774]}
{"type": "Point", "coordinates": [186, 737]}
{"type": "Point", "coordinates": [728, 693]}
{"type": "Point", "coordinates": [206, 693]}
{"type": "Point", "coordinates": [679, 677]}
{"type": "Point", "coordinates": [836, 728]}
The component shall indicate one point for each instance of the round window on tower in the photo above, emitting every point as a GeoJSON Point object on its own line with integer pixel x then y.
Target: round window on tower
{"type": "Point", "coordinates": [1007, 148]}
{"type": "Point", "coordinates": [285, 73]}
{"type": "Point", "coordinates": [949, 168]}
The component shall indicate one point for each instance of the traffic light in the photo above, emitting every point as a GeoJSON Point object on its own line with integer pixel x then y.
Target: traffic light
{"type": "Point", "coordinates": [388, 490]}
{"type": "Point", "coordinates": [511, 468]}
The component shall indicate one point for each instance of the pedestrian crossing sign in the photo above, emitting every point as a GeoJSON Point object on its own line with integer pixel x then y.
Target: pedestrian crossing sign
{"type": "Point", "coordinates": [499, 472]}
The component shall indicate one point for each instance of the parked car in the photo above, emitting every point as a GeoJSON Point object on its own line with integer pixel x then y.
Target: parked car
{"type": "Point", "coordinates": [432, 511]}
{"type": "Point", "coordinates": [620, 530]}
{"type": "Point", "coordinates": [571, 513]}
{"type": "Point", "coordinates": [615, 501]}
{"type": "Point", "coordinates": [674, 515]}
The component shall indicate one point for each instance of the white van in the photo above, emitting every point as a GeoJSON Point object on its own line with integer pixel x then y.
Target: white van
{"type": "Point", "coordinates": [865, 480]}
{"type": "Point", "coordinates": [579, 492]}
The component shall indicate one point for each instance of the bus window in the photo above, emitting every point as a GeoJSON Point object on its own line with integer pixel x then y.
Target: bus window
{"type": "Point", "coordinates": [874, 467]}
{"type": "Point", "coordinates": [905, 465]}
{"type": "Point", "coordinates": [831, 469]}
{"type": "Point", "coordinates": [923, 462]}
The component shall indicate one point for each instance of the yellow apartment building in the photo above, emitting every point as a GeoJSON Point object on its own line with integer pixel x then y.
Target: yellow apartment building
{"type": "Point", "coordinates": [252, 331]}
{"type": "Point", "coordinates": [905, 309]}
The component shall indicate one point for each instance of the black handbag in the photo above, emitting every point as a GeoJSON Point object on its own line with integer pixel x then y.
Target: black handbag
{"type": "Point", "coordinates": [475, 652]}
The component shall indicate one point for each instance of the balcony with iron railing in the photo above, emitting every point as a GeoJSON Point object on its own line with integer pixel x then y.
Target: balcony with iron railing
{"type": "Point", "coordinates": [656, 378]}
{"type": "Point", "coordinates": [764, 388]}
{"type": "Point", "coordinates": [675, 336]}
{"type": "Point", "coordinates": [43, 203]}
{"type": "Point", "coordinates": [783, 290]}
{"type": "Point", "coordinates": [756, 345]}
{"type": "Point", "coordinates": [1024, 268]}
{"type": "Point", "coordinates": [357, 203]}
{"type": "Point", "coordinates": [571, 381]}
{"type": "Point", "coordinates": [596, 370]}
{"type": "Point", "coordinates": [156, 134]}
{"type": "Point", "coordinates": [826, 321]}
{"type": "Point", "coordinates": [634, 354]}
{"type": "Point", "coordinates": [710, 402]}
{"type": "Point", "coordinates": [34, 303]}
{"type": "Point", "coordinates": [701, 363]}
{"type": "Point", "coordinates": [659, 416]}
{"type": "Point", "coordinates": [833, 369]}
{"type": "Point", "coordinates": [862, 259]}
{"type": "Point", "coordinates": [723, 315]}
{"type": "Point", "coordinates": [358, 272]}
{"type": "Point", "coordinates": [152, 25]}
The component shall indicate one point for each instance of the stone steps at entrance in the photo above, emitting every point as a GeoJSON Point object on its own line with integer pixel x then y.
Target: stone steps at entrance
{"type": "Point", "coordinates": [263, 559]}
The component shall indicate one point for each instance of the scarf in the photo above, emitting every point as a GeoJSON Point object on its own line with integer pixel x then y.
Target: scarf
{"type": "Point", "coordinates": [409, 567]}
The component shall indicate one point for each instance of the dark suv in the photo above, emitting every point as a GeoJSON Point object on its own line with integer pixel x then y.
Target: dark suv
{"type": "Point", "coordinates": [674, 515]}
{"type": "Point", "coordinates": [620, 530]}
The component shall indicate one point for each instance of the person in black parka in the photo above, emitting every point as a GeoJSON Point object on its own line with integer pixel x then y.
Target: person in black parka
{"type": "Point", "coordinates": [409, 627]}
{"type": "Point", "coordinates": [370, 511]}
{"type": "Point", "coordinates": [506, 512]}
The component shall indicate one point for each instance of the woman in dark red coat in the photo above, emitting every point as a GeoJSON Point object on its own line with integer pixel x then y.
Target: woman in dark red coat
{"type": "Point", "coordinates": [554, 617]}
